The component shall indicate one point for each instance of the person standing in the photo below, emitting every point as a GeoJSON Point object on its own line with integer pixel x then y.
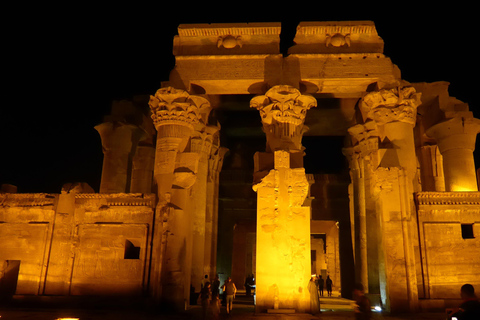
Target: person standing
{"type": "Point", "coordinates": [321, 284]}
{"type": "Point", "coordinates": [363, 310]}
{"type": "Point", "coordinates": [216, 286]}
{"type": "Point", "coordinates": [314, 301]}
{"type": "Point", "coordinates": [205, 296]}
{"type": "Point", "coordinates": [231, 290]}
{"type": "Point", "coordinates": [329, 284]}
{"type": "Point", "coordinates": [215, 306]}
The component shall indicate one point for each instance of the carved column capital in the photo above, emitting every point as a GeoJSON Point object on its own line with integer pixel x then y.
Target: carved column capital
{"type": "Point", "coordinates": [283, 109]}
{"type": "Point", "coordinates": [390, 105]}
{"type": "Point", "coordinates": [174, 106]}
{"type": "Point", "coordinates": [176, 114]}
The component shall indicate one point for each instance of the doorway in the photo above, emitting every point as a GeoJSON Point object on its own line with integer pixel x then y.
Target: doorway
{"type": "Point", "coordinates": [9, 270]}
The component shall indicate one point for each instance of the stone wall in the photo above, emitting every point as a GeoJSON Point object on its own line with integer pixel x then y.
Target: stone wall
{"type": "Point", "coordinates": [76, 244]}
{"type": "Point", "coordinates": [449, 231]}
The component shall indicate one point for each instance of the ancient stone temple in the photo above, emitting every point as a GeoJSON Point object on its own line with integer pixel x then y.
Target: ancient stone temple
{"type": "Point", "coordinates": [249, 161]}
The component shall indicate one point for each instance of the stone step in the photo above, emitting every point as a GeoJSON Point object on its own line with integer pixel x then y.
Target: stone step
{"type": "Point", "coordinates": [336, 303]}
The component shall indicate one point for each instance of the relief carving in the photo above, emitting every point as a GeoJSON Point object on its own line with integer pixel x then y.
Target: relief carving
{"type": "Point", "coordinates": [229, 41]}
{"type": "Point", "coordinates": [338, 40]}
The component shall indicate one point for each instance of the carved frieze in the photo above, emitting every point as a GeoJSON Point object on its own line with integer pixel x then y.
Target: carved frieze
{"type": "Point", "coordinates": [120, 199]}
{"type": "Point", "coordinates": [388, 105]}
{"type": "Point", "coordinates": [448, 198]}
{"type": "Point", "coordinates": [26, 199]}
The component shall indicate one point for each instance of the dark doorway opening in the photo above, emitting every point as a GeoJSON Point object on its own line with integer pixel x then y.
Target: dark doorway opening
{"type": "Point", "coordinates": [9, 270]}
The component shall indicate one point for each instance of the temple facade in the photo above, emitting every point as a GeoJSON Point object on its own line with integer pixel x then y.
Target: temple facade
{"type": "Point", "coordinates": [249, 161]}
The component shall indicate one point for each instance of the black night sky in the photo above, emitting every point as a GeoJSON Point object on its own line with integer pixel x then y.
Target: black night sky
{"type": "Point", "coordinates": [64, 66]}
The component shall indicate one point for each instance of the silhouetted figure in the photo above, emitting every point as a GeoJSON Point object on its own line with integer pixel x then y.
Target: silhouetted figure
{"type": "Point", "coordinates": [204, 281]}
{"type": "Point", "coordinates": [321, 284]}
{"type": "Point", "coordinates": [470, 307]}
{"type": "Point", "coordinates": [205, 295]}
{"type": "Point", "coordinates": [215, 306]}
{"type": "Point", "coordinates": [216, 286]}
{"type": "Point", "coordinates": [314, 301]}
{"type": "Point", "coordinates": [248, 285]}
{"type": "Point", "coordinates": [363, 310]}
{"type": "Point", "coordinates": [329, 284]}
{"type": "Point", "coordinates": [230, 290]}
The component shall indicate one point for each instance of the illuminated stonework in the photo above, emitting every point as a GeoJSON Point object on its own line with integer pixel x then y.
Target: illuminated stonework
{"type": "Point", "coordinates": [164, 210]}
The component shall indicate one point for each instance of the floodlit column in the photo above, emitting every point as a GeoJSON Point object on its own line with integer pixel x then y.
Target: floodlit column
{"type": "Point", "coordinates": [357, 166]}
{"type": "Point", "coordinates": [119, 141]}
{"type": "Point", "coordinates": [456, 141]}
{"type": "Point", "coordinates": [142, 170]}
{"type": "Point", "coordinates": [394, 112]}
{"type": "Point", "coordinates": [215, 163]}
{"type": "Point", "coordinates": [200, 144]}
{"type": "Point", "coordinates": [175, 114]}
{"type": "Point", "coordinates": [283, 254]}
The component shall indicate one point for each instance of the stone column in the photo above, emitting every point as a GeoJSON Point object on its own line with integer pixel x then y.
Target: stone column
{"type": "Point", "coordinates": [283, 221]}
{"type": "Point", "coordinates": [431, 168]}
{"type": "Point", "coordinates": [176, 115]}
{"type": "Point", "coordinates": [394, 113]}
{"type": "Point", "coordinates": [357, 166]}
{"type": "Point", "coordinates": [456, 141]}
{"type": "Point", "coordinates": [142, 170]}
{"type": "Point", "coordinates": [119, 141]}
{"type": "Point", "coordinates": [200, 144]}
{"type": "Point", "coordinates": [215, 162]}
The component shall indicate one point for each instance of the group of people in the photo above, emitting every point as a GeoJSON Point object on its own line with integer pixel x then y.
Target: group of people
{"type": "Point", "coordinates": [315, 287]}
{"type": "Point", "coordinates": [321, 284]}
{"type": "Point", "coordinates": [210, 296]}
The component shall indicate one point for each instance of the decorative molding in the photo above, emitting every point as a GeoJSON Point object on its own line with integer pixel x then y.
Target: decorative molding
{"type": "Point", "coordinates": [121, 199]}
{"type": "Point", "coordinates": [448, 198]}
{"type": "Point", "coordinates": [27, 199]}
{"type": "Point", "coordinates": [215, 30]}
{"type": "Point", "coordinates": [362, 28]}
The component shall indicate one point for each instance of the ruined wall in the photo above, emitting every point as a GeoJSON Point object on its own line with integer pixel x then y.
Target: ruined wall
{"type": "Point", "coordinates": [449, 231]}
{"type": "Point", "coordinates": [77, 244]}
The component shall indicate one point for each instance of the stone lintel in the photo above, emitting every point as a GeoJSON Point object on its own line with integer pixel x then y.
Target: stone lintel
{"type": "Point", "coordinates": [338, 75]}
